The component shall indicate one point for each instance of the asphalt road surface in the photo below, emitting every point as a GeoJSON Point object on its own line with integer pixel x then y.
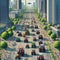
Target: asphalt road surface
{"type": "Point", "coordinates": [12, 50]}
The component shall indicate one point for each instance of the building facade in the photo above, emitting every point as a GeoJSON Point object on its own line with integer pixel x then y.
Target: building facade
{"type": "Point", "coordinates": [50, 9]}
{"type": "Point", "coordinates": [4, 11]}
{"type": "Point", "coordinates": [18, 4]}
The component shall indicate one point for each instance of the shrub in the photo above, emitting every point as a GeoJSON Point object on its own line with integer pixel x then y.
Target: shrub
{"type": "Point", "coordinates": [57, 45]}
{"type": "Point", "coordinates": [10, 33]}
{"type": "Point", "coordinates": [49, 25]}
{"type": "Point", "coordinates": [0, 55]}
{"type": "Point", "coordinates": [0, 45]}
{"type": "Point", "coordinates": [9, 29]}
{"type": "Point", "coordinates": [38, 15]}
{"type": "Point", "coordinates": [4, 45]}
{"type": "Point", "coordinates": [13, 28]}
{"type": "Point", "coordinates": [44, 23]}
{"type": "Point", "coordinates": [15, 22]}
{"type": "Point", "coordinates": [43, 19]}
{"type": "Point", "coordinates": [5, 35]}
{"type": "Point", "coordinates": [49, 32]}
{"type": "Point", "coordinates": [53, 36]}
{"type": "Point", "coordinates": [45, 27]}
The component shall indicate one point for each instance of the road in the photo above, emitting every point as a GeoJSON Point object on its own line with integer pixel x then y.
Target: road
{"type": "Point", "coordinates": [12, 50]}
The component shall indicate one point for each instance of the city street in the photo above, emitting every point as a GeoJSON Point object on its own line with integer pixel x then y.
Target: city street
{"type": "Point", "coordinates": [12, 50]}
{"type": "Point", "coordinates": [29, 29]}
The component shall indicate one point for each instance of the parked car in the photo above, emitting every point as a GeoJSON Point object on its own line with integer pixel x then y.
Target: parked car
{"type": "Point", "coordinates": [24, 35]}
{"type": "Point", "coordinates": [33, 52]}
{"type": "Point", "coordinates": [41, 48]}
{"type": "Point", "coordinates": [27, 26]}
{"type": "Point", "coordinates": [17, 31]}
{"type": "Point", "coordinates": [32, 26]}
{"type": "Point", "coordinates": [19, 34]}
{"type": "Point", "coordinates": [34, 39]}
{"type": "Point", "coordinates": [33, 45]}
{"type": "Point", "coordinates": [18, 40]}
{"type": "Point", "coordinates": [17, 57]}
{"type": "Point", "coordinates": [40, 42]}
{"type": "Point", "coordinates": [27, 46]}
{"type": "Point", "coordinates": [21, 51]}
{"type": "Point", "coordinates": [26, 40]}
{"type": "Point", "coordinates": [40, 57]}
{"type": "Point", "coordinates": [27, 32]}
{"type": "Point", "coordinates": [33, 30]}
{"type": "Point", "coordinates": [37, 32]}
{"type": "Point", "coordinates": [36, 26]}
{"type": "Point", "coordinates": [40, 37]}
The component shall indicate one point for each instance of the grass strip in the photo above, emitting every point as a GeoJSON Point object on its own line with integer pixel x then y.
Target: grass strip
{"type": "Point", "coordinates": [51, 52]}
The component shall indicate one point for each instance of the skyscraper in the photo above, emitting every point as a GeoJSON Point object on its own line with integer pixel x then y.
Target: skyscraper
{"type": "Point", "coordinates": [4, 11]}
{"type": "Point", "coordinates": [18, 4]}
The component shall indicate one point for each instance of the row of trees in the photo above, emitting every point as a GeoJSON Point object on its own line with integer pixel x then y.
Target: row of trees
{"type": "Point", "coordinates": [8, 33]}
{"type": "Point", "coordinates": [47, 28]}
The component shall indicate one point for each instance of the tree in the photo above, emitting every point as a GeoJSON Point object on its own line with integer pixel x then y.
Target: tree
{"type": "Point", "coordinates": [5, 35]}
{"type": "Point", "coordinates": [10, 33]}
{"type": "Point", "coordinates": [49, 25]}
{"type": "Point", "coordinates": [45, 27]}
{"type": "Point", "coordinates": [4, 45]}
{"type": "Point", "coordinates": [57, 45]}
{"type": "Point", "coordinates": [9, 29]}
{"type": "Point", "coordinates": [0, 55]}
{"type": "Point", "coordinates": [13, 28]}
{"type": "Point", "coordinates": [53, 36]}
{"type": "Point", "coordinates": [49, 32]}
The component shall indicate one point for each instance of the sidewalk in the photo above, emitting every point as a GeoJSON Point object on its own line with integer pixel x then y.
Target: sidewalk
{"type": "Point", "coordinates": [51, 42]}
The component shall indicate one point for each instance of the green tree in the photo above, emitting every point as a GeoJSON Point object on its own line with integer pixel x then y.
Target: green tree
{"type": "Point", "coordinates": [13, 28]}
{"type": "Point", "coordinates": [4, 45]}
{"type": "Point", "coordinates": [45, 27]}
{"type": "Point", "coordinates": [5, 35]}
{"type": "Point", "coordinates": [49, 32]}
{"type": "Point", "coordinates": [9, 29]}
{"type": "Point", "coordinates": [57, 45]}
{"type": "Point", "coordinates": [10, 33]}
{"type": "Point", "coordinates": [0, 55]}
{"type": "Point", "coordinates": [53, 36]}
